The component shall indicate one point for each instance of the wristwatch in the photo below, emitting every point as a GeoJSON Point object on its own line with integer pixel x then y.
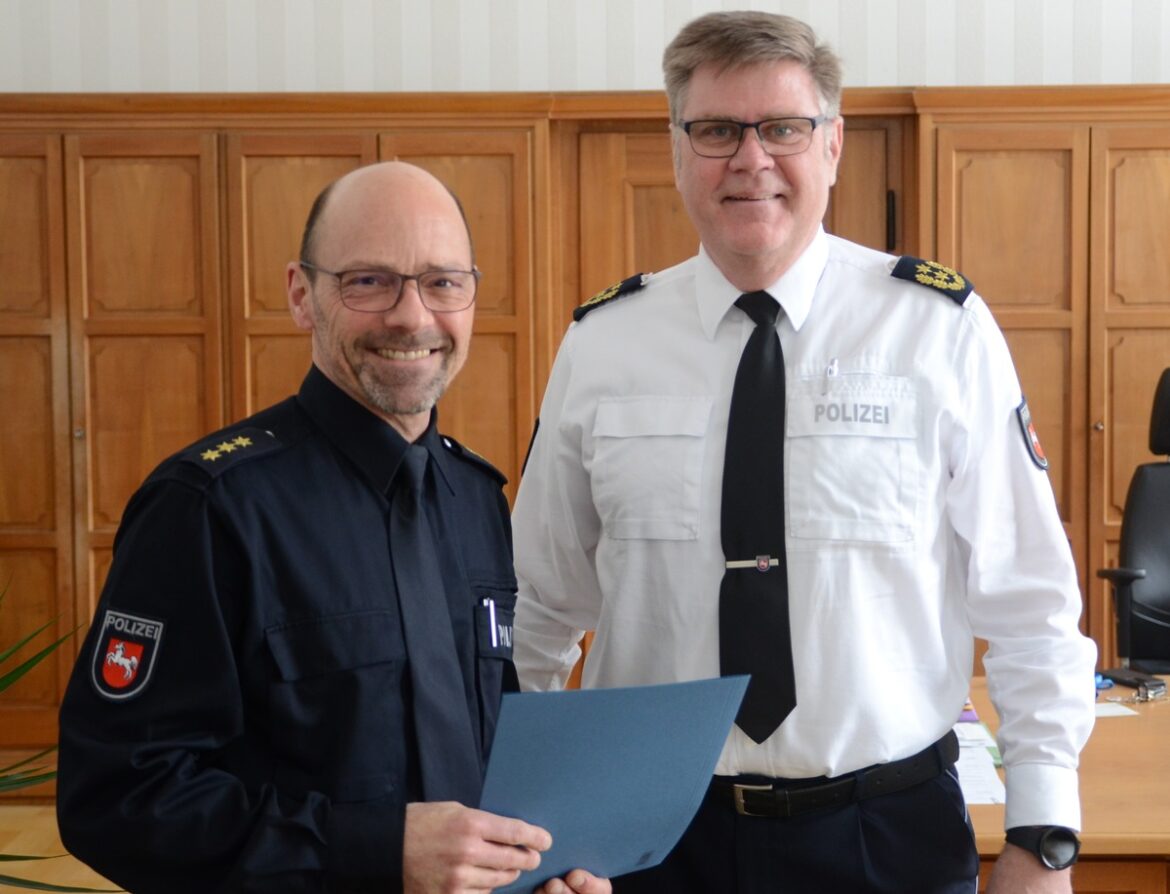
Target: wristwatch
{"type": "Point", "coordinates": [1056, 847]}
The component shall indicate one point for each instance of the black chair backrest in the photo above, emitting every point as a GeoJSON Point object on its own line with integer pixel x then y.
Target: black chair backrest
{"type": "Point", "coordinates": [1145, 538]}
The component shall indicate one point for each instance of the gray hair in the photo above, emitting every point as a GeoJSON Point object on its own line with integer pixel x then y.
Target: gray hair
{"type": "Point", "coordinates": [734, 39]}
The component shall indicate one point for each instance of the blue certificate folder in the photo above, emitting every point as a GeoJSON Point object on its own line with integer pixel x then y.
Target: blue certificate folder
{"type": "Point", "coordinates": [615, 775]}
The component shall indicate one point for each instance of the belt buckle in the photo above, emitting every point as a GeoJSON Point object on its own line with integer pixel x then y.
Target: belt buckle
{"type": "Point", "coordinates": [739, 789]}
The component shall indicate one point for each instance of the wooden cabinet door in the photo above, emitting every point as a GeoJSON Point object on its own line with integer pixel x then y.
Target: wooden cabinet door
{"type": "Point", "coordinates": [144, 309]}
{"type": "Point", "coordinates": [1012, 216]}
{"type": "Point", "coordinates": [632, 216]}
{"type": "Point", "coordinates": [1106, 876]}
{"type": "Point", "coordinates": [868, 204]}
{"type": "Point", "coordinates": [1130, 325]}
{"type": "Point", "coordinates": [36, 564]}
{"type": "Point", "coordinates": [490, 406]}
{"type": "Point", "coordinates": [272, 180]}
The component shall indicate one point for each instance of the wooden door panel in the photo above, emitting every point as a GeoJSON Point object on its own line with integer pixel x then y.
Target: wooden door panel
{"type": "Point", "coordinates": [36, 562]}
{"type": "Point", "coordinates": [146, 401]}
{"type": "Point", "coordinates": [491, 404]}
{"type": "Point", "coordinates": [27, 437]}
{"type": "Point", "coordinates": [868, 203]}
{"type": "Point", "coordinates": [144, 232]}
{"type": "Point", "coordinates": [1012, 206]}
{"type": "Point", "coordinates": [1105, 876]}
{"type": "Point", "coordinates": [632, 217]}
{"type": "Point", "coordinates": [142, 214]}
{"type": "Point", "coordinates": [1130, 322]}
{"type": "Point", "coordinates": [24, 197]}
{"type": "Point", "coordinates": [272, 182]}
{"type": "Point", "coordinates": [480, 407]}
{"type": "Point", "coordinates": [1012, 216]}
{"type": "Point", "coordinates": [276, 366]}
{"type": "Point", "coordinates": [1138, 212]}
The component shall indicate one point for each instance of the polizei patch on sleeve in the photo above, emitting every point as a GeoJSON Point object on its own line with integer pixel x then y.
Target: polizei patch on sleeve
{"type": "Point", "coordinates": [124, 654]}
{"type": "Point", "coordinates": [1031, 439]}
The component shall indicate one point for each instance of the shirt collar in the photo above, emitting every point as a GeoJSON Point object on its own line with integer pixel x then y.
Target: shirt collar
{"type": "Point", "coordinates": [793, 290]}
{"type": "Point", "coordinates": [370, 443]}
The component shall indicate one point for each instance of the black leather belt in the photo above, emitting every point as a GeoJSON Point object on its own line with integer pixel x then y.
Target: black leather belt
{"type": "Point", "coordinates": [790, 797]}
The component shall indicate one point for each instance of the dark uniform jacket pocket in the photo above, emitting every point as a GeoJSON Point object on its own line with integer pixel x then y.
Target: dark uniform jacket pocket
{"type": "Point", "coordinates": [336, 706]}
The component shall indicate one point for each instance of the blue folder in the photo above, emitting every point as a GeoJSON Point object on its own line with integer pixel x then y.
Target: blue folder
{"type": "Point", "coordinates": [615, 775]}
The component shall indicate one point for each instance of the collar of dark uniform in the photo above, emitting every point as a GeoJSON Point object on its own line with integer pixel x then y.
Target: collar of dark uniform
{"type": "Point", "coordinates": [369, 443]}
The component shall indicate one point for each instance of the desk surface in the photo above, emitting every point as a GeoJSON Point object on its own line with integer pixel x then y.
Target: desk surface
{"type": "Point", "coordinates": [1124, 778]}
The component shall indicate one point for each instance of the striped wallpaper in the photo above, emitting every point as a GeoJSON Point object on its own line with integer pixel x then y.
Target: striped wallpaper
{"type": "Point", "coordinates": [538, 45]}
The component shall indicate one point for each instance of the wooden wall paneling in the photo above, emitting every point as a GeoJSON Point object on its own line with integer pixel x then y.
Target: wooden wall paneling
{"type": "Point", "coordinates": [870, 187]}
{"type": "Point", "coordinates": [1106, 876]}
{"type": "Point", "coordinates": [145, 317]}
{"type": "Point", "coordinates": [1130, 323]}
{"type": "Point", "coordinates": [1012, 215]}
{"type": "Point", "coordinates": [632, 216]}
{"type": "Point", "coordinates": [36, 563]}
{"type": "Point", "coordinates": [272, 180]}
{"type": "Point", "coordinates": [491, 405]}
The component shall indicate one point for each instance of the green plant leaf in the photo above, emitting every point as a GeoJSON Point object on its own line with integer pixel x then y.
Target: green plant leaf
{"type": "Point", "coordinates": [14, 882]}
{"type": "Point", "coordinates": [8, 785]}
{"type": "Point", "coordinates": [20, 670]}
{"type": "Point", "coordinates": [7, 653]}
{"type": "Point", "coordinates": [27, 760]}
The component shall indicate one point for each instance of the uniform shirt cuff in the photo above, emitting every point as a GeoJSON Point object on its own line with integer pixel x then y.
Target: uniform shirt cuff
{"type": "Point", "coordinates": [1041, 795]}
{"type": "Point", "coordinates": [365, 846]}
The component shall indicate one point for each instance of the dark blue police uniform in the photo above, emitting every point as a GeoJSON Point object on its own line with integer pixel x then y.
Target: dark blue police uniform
{"type": "Point", "coordinates": [240, 716]}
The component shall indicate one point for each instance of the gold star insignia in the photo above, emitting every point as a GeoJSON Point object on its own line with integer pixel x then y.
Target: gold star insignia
{"type": "Point", "coordinates": [931, 273]}
{"type": "Point", "coordinates": [226, 446]}
{"type": "Point", "coordinates": [242, 441]}
{"type": "Point", "coordinates": [209, 455]}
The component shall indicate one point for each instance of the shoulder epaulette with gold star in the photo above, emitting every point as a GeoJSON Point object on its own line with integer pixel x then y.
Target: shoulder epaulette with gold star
{"type": "Point", "coordinates": [625, 287]}
{"type": "Point", "coordinates": [930, 273]}
{"type": "Point", "coordinates": [223, 451]}
{"type": "Point", "coordinates": [463, 452]}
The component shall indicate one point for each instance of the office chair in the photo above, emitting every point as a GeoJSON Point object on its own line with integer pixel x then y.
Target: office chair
{"type": "Point", "coordinates": [1141, 583]}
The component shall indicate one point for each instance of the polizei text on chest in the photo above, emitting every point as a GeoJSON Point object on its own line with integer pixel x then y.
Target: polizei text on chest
{"type": "Point", "coordinates": [875, 414]}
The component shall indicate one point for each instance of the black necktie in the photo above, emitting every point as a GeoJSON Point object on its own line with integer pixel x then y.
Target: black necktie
{"type": "Point", "coordinates": [754, 634]}
{"type": "Point", "coordinates": [448, 755]}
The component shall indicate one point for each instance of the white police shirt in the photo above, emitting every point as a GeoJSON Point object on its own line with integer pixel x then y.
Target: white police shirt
{"type": "Point", "coordinates": [916, 518]}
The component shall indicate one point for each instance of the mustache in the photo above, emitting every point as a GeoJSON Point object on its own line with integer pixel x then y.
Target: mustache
{"type": "Point", "coordinates": [414, 342]}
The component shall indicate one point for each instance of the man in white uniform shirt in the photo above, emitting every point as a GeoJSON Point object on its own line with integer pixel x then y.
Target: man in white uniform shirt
{"type": "Point", "coordinates": [917, 512]}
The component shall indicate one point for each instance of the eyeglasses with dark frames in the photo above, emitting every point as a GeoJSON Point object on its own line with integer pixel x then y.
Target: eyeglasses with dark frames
{"type": "Point", "coordinates": [379, 289]}
{"type": "Point", "coordinates": [779, 136]}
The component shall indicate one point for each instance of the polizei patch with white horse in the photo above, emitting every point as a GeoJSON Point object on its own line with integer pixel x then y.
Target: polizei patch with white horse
{"type": "Point", "coordinates": [124, 654]}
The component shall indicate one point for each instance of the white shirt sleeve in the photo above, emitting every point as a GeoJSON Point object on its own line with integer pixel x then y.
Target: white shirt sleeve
{"type": "Point", "coordinates": [1022, 588]}
{"type": "Point", "coordinates": [556, 532]}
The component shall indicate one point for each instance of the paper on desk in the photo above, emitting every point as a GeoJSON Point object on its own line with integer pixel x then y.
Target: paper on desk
{"type": "Point", "coordinates": [615, 775]}
{"type": "Point", "coordinates": [1114, 709]}
{"type": "Point", "coordinates": [976, 766]}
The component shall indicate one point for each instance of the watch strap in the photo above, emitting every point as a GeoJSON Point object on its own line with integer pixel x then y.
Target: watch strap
{"type": "Point", "coordinates": [1056, 847]}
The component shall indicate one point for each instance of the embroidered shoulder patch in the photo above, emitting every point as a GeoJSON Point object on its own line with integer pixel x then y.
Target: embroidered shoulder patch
{"type": "Point", "coordinates": [930, 273]}
{"type": "Point", "coordinates": [625, 287]}
{"type": "Point", "coordinates": [124, 654]}
{"type": "Point", "coordinates": [225, 450]}
{"type": "Point", "coordinates": [472, 457]}
{"type": "Point", "coordinates": [1031, 439]}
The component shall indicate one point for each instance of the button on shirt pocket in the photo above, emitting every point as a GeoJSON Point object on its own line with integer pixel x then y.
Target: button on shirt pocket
{"type": "Point", "coordinates": [648, 465]}
{"type": "Point", "coordinates": [853, 473]}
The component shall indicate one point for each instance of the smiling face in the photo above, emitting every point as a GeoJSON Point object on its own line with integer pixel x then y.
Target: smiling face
{"type": "Point", "coordinates": [756, 213]}
{"type": "Point", "coordinates": [399, 362]}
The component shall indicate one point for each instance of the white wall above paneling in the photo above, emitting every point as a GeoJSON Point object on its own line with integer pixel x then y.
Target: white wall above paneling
{"type": "Point", "coordinates": [211, 46]}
